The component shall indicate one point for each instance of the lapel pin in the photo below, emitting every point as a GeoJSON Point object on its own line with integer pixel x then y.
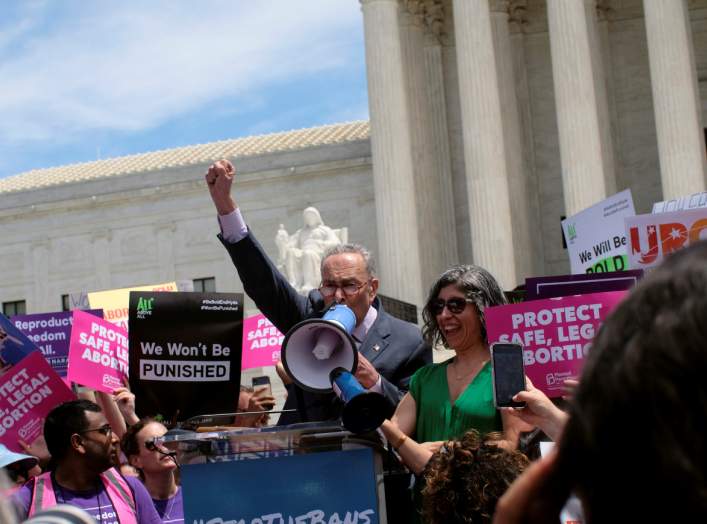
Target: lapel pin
{"type": "Point", "coordinates": [376, 347]}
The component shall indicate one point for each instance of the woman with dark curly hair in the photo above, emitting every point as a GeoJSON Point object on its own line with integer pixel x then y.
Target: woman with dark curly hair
{"type": "Point", "coordinates": [465, 479]}
{"type": "Point", "coordinates": [449, 398]}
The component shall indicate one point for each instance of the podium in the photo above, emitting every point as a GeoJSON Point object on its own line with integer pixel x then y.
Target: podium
{"type": "Point", "coordinates": [309, 473]}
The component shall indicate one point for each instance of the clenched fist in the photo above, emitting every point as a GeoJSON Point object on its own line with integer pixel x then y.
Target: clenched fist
{"type": "Point", "coordinates": [219, 179]}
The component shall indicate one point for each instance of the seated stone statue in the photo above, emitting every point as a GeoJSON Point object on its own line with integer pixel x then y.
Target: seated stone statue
{"type": "Point", "coordinates": [300, 254]}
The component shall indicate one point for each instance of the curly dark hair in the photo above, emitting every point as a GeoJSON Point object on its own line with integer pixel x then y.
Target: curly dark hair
{"type": "Point", "coordinates": [477, 284]}
{"type": "Point", "coordinates": [465, 479]}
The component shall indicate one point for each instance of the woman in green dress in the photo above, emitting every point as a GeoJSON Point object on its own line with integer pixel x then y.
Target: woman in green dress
{"type": "Point", "coordinates": [449, 398]}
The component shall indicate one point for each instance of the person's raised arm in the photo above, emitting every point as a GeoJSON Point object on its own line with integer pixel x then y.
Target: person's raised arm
{"type": "Point", "coordinates": [219, 178]}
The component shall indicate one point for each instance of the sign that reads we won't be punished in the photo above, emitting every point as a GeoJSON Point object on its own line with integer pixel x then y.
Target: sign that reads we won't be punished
{"type": "Point", "coordinates": [185, 352]}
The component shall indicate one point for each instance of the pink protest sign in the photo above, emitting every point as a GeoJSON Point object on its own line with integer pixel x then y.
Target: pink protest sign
{"type": "Point", "coordinates": [98, 353]}
{"type": "Point", "coordinates": [261, 342]}
{"type": "Point", "coordinates": [555, 334]}
{"type": "Point", "coordinates": [28, 391]}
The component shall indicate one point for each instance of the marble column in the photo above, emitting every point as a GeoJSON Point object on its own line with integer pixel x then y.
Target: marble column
{"type": "Point", "coordinates": [580, 98]}
{"type": "Point", "coordinates": [676, 98]}
{"type": "Point", "coordinates": [516, 24]}
{"type": "Point", "coordinates": [439, 136]}
{"type": "Point", "coordinates": [391, 145]}
{"type": "Point", "coordinates": [484, 145]}
{"type": "Point", "coordinates": [437, 245]}
{"type": "Point", "coordinates": [524, 223]}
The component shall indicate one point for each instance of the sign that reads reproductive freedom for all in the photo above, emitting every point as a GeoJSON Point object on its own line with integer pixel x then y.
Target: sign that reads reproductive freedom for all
{"type": "Point", "coordinates": [652, 237]}
{"type": "Point", "coordinates": [261, 342]}
{"type": "Point", "coordinates": [51, 332]}
{"type": "Point", "coordinates": [555, 333]}
{"type": "Point", "coordinates": [114, 302]}
{"type": "Point", "coordinates": [185, 352]}
{"type": "Point", "coordinates": [596, 237]}
{"type": "Point", "coordinates": [28, 391]}
{"type": "Point", "coordinates": [98, 353]}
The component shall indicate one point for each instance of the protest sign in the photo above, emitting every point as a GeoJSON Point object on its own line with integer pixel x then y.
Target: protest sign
{"type": "Point", "coordinates": [185, 352]}
{"type": "Point", "coordinates": [14, 345]}
{"type": "Point", "coordinates": [98, 353]}
{"type": "Point", "coordinates": [28, 391]}
{"type": "Point", "coordinates": [114, 302]}
{"type": "Point", "coordinates": [694, 201]}
{"type": "Point", "coordinates": [555, 333]}
{"type": "Point", "coordinates": [565, 285]}
{"type": "Point", "coordinates": [261, 342]}
{"type": "Point", "coordinates": [51, 332]}
{"type": "Point", "coordinates": [596, 237]}
{"type": "Point", "coordinates": [314, 488]}
{"type": "Point", "coordinates": [652, 237]}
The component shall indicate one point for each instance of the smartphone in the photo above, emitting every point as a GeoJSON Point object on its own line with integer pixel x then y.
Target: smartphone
{"type": "Point", "coordinates": [508, 374]}
{"type": "Point", "coordinates": [259, 382]}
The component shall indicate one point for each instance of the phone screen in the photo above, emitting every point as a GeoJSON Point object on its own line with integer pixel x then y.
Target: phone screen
{"type": "Point", "coordinates": [508, 374]}
{"type": "Point", "coordinates": [262, 382]}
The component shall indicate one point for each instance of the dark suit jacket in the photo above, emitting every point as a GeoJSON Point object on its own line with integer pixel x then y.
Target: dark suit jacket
{"type": "Point", "coordinates": [394, 347]}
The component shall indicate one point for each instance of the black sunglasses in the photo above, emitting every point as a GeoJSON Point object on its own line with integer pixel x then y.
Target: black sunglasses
{"type": "Point", "coordinates": [454, 305]}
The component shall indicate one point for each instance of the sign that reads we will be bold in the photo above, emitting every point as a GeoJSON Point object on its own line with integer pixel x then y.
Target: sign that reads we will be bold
{"type": "Point", "coordinates": [556, 334]}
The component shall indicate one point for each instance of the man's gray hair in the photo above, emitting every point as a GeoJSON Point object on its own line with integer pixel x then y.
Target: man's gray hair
{"type": "Point", "coordinates": [353, 248]}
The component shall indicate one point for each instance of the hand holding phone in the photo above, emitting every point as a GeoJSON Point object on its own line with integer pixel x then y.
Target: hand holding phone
{"type": "Point", "coordinates": [508, 374]}
{"type": "Point", "coordinates": [262, 393]}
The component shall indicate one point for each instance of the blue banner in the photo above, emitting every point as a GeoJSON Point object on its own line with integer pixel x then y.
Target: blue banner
{"type": "Point", "coordinates": [334, 487]}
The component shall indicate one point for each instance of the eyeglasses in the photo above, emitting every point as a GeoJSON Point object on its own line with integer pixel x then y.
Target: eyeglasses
{"type": "Point", "coordinates": [454, 305]}
{"type": "Point", "coordinates": [349, 290]}
{"type": "Point", "coordinates": [103, 430]}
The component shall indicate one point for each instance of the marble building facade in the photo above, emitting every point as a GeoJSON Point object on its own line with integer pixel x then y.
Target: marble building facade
{"type": "Point", "coordinates": [490, 120]}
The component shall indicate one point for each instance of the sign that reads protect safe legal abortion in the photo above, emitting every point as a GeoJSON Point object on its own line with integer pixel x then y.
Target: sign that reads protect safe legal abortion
{"type": "Point", "coordinates": [98, 353]}
{"type": "Point", "coordinates": [52, 334]}
{"type": "Point", "coordinates": [556, 334]}
{"type": "Point", "coordinates": [652, 237]}
{"type": "Point", "coordinates": [185, 352]}
{"type": "Point", "coordinates": [596, 237]}
{"type": "Point", "coordinates": [261, 342]}
{"type": "Point", "coordinates": [28, 391]}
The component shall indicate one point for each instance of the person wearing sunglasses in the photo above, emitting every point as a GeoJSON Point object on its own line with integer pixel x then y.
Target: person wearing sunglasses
{"type": "Point", "coordinates": [84, 450]}
{"type": "Point", "coordinates": [390, 350]}
{"type": "Point", "coordinates": [449, 398]}
{"type": "Point", "coordinates": [157, 468]}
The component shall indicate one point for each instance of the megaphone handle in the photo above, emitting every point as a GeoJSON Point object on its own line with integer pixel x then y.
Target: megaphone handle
{"type": "Point", "coordinates": [301, 409]}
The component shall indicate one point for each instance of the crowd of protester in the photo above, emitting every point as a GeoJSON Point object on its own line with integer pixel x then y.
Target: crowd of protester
{"type": "Point", "coordinates": [630, 437]}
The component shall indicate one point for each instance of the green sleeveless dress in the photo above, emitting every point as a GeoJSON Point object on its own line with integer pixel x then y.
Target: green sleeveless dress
{"type": "Point", "coordinates": [438, 418]}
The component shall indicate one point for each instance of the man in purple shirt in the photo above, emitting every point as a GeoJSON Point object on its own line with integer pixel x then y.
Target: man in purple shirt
{"type": "Point", "coordinates": [84, 449]}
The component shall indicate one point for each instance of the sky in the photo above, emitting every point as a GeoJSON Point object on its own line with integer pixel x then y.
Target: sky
{"type": "Point", "coordinates": [82, 80]}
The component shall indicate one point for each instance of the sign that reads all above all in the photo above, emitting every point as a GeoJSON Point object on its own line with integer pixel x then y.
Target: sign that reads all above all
{"type": "Point", "coordinates": [114, 302]}
{"type": "Point", "coordinates": [185, 352]}
{"type": "Point", "coordinates": [596, 236]}
{"type": "Point", "coordinates": [652, 237]}
{"type": "Point", "coordinates": [555, 333]}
